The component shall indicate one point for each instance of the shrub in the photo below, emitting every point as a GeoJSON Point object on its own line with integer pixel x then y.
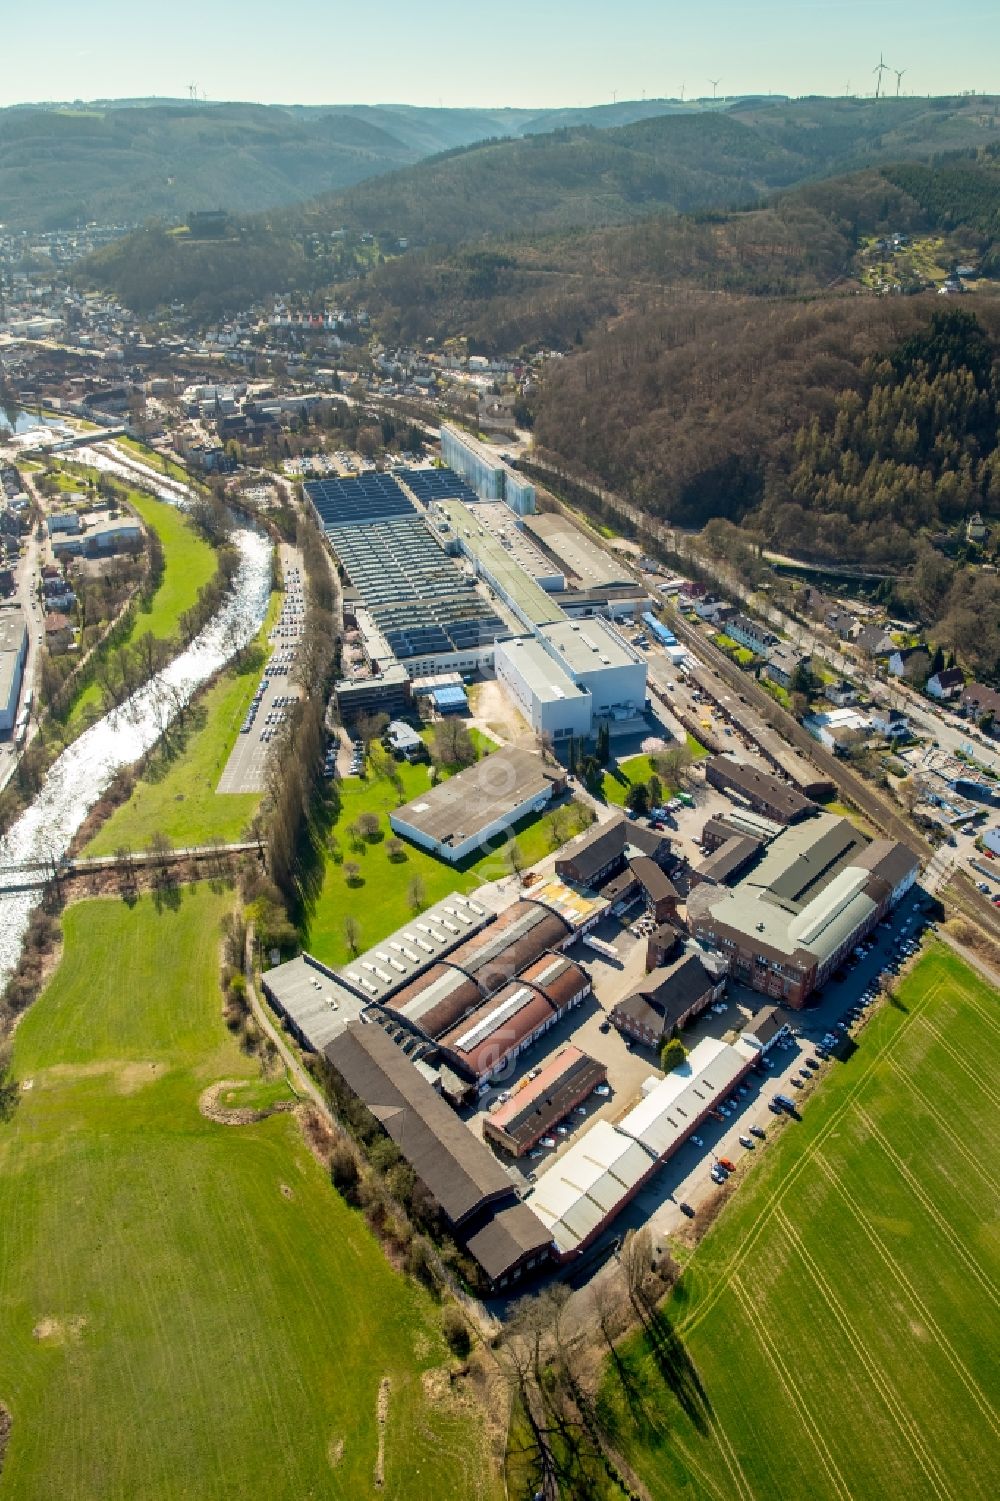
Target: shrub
{"type": "Point", "coordinates": [456, 1331]}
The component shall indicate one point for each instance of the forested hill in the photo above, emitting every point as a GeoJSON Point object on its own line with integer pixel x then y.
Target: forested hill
{"type": "Point", "coordinates": [579, 177]}
{"type": "Point", "coordinates": [128, 161]}
{"type": "Point", "coordinates": [555, 289]}
{"type": "Point", "coordinates": [858, 428]}
{"type": "Point", "coordinates": [505, 192]}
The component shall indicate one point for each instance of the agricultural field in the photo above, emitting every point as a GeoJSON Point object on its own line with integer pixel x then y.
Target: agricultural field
{"type": "Point", "coordinates": [834, 1336]}
{"type": "Point", "coordinates": [378, 896]}
{"type": "Point", "coordinates": [176, 795]}
{"type": "Point", "coordinates": [188, 1309]}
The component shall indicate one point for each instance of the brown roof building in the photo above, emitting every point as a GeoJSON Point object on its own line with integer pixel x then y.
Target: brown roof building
{"type": "Point", "coordinates": [758, 789]}
{"type": "Point", "coordinates": [602, 851]}
{"type": "Point", "coordinates": [458, 1171]}
{"type": "Point", "coordinates": [542, 1102]}
{"type": "Point", "coordinates": [520, 935]}
{"type": "Point", "coordinates": [667, 999]}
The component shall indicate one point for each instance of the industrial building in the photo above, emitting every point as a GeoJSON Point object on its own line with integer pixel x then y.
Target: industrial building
{"type": "Point", "coordinates": [461, 816]}
{"type": "Point", "coordinates": [666, 1000]}
{"type": "Point", "coordinates": [490, 477]}
{"type": "Point", "coordinates": [416, 612]}
{"type": "Point", "coordinates": [599, 660]}
{"type": "Point", "coordinates": [553, 704]}
{"type": "Point", "coordinates": [461, 1175]}
{"type": "Point", "coordinates": [586, 565]}
{"type": "Point", "coordinates": [311, 1001]}
{"type": "Point", "coordinates": [459, 525]}
{"type": "Point", "coordinates": [759, 790]}
{"type": "Point", "coordinates": [816, 892]}
{"type": "Point", "coordinates": [13, 654]}
{"type": "Point", "coordinates": [588, 1186]}
{"type": "Point", "coordinates": [489, 1040]}
{"type": "Point", "coordinates": [603, 851]}
{"type": "Point", "coordinates": [541, 1103]}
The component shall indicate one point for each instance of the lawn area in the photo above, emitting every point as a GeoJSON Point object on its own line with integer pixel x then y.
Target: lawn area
{"type": "Point", "coordinates": [616, 784]}
{"type": "Point", "coordinates": [834, 1336]}
{"type": "Point", "coordinates": [379, 900]}
{"type": "Point", "coordinates": [155, 460]}
{"type": "Point", "coordinates": [177, 795]}
{"type": "Point", "coordinates": [857, 819]}
{"type": "Point", "coordinates": [188, 1309]}
{"type": "Point", "coordinates": [189, 563]}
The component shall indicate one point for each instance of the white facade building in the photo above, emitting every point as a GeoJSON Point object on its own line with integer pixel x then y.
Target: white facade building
{"type": "Point", "coordinates": [599, 659]}
{"type": "Point", "coordinates": [551, 702]}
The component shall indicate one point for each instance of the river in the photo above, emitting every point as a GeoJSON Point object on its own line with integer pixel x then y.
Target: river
{"type": "Point", "coordinates": [86, 768]}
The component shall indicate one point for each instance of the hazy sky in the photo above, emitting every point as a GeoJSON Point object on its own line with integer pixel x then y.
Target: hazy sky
{"type": "Point", "coordinates": [518, 52]}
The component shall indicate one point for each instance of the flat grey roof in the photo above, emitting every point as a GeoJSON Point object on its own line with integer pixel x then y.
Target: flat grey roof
{"type": "Point", "coordinates": [540, 670]}
{"type": "Point", "coordinates": [578, 554]}
{"type": "Point", "coordinates": [457, 809]}
{"type": "Point", "coordinates": [528, 596]}
{"type": "Point", "coordinates": [387, 966]}
{"type": "Point", "coordinates": [12, 630]}
{"type": "Point", "coordinates": [589, 645]}
{"type": "Point", "coordinates": [317, 1005]}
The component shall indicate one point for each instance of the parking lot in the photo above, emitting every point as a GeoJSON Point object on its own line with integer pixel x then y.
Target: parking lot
{"type": "Point", "coordinates": [840, 1011]}
{"type": "Point", "coordinates": [793, 1066]}
{"type": "Point", "coordinates": [245, 769]}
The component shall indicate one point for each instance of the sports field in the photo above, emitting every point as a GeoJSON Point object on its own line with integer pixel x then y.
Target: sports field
{"type": "Point", "coordinates": [839, 1325]}
{"type": "Point", "coordinates": [188, 1309]}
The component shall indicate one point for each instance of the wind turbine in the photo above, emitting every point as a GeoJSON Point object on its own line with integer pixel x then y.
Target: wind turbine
{"type": "Point", "coordinates": [899, 78]}
{"type": "Point", "coordinates": [715, 86]}
{"type": "Point", "coordinates": [878, 71]}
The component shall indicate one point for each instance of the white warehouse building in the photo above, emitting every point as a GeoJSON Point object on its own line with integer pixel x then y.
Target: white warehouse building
{"type": "Point", "coordinates": [551, 702]}
{"type": "Point", "coordinates": [599, 660]}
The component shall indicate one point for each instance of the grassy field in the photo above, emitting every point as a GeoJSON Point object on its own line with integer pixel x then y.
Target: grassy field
{"type": "Point", "coordinates": [379, 898]}
{"type": "Point", "coordinates": [187, 1309]}
{"type": "Point", "coordinates": [834, 1336]}
{"type": "Point", "coordinates": [177, 796]}
{"type": "Point", "coordinates": [189, 563]}
{"type": "Point", "coordinates": [155, 460]}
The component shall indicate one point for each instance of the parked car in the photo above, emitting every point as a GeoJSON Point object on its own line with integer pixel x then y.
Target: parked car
{"type": "Point", "coordinates": [746, 1141]}
{"type": "Point", "coordinates": [718, 1173]}
{"type": "Point", "coordinates": [548, 1141]}
{"type": "Point", "coordinates": [686, 1209]}
{"type": "Point", "coordinates": [730, 1167]}
{"type": "Point", "coordinates": [759, 1132]}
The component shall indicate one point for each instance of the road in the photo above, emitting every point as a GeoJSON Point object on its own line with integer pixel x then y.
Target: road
{"type": "Point", "coordinates": [882, 812]}
{"type": "Point", "coordinates": [26, 595]}
{"type": "Point", "coordinates": [685, 1177]}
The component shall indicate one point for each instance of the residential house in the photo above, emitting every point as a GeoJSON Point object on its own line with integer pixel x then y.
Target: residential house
{"type": "Point", "coordinates": [901, 657]}
{"type": "Point", "coordinates": [875, 641]}
{"type": "Point", "coordinates": [891, 723]}
{"type": "Point", "coordinates": [841, 622]}
{"type": "Point", "coordinates": [714, 610]}
{"type": "Point", "coordinates": [755, 637]}
{"type": "Point", "coordinates": [976, 530]}
{"type": "Point", "coordinates": [979, 701]}
{"type": "Point", "coordinates": [843, 694]}
{"type": "Point", "coordinates": [783, 662]}
{"type": "Point", "coordinates": [58, 633]}
{"type": "Point", "coordinates": [946, 684]}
